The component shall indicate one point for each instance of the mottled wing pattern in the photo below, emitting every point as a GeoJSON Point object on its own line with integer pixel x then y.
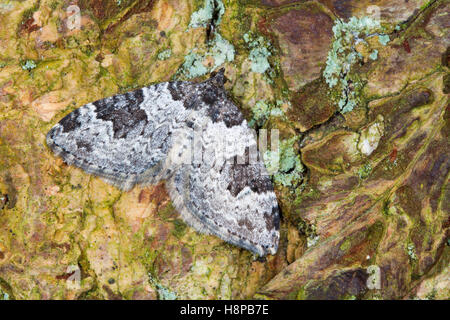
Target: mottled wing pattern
{"type": "Point", "coordinates": [223, 192]}
{"type": "Point", "coordinates": [149, 134]}
{"type": "Point", "coordinates": [124, 138]}
{"type": "Point", "coordinates": [235, 202]}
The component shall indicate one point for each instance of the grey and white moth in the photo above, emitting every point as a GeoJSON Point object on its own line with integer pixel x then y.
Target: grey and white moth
{"type": "Point", "coordinates": [144, 136]}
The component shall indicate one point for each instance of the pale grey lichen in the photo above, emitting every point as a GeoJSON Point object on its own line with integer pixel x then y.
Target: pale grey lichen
{"type": "Point", "coordinates": [204, 15]}
{"type": "Point", "coordinates": [263, 110]}
{"type": "Point", "coordinates": [193, 66]}
{"type": "Point", "coordinates": [163, 292]}
{"type": "Point", "coordinates": [343, 56]}
{"type": "Point", "coordinates": [411, 249]}
{"type": "Point", "coordinates": [163, 55]}
{"type": "Point", "coordinates": [383, 39]}
{"type": "Point", "coordinates": [259, 56]}
{"type": "Point", "coordinates": [276, 112]}
{"type": "Point", "coordinates": [29, 65]}
{"type": "Point", "coordinates": [312, 241]}
{"type": "Point", "coordinates": [373, 282]}
{"type": "Point", "coordinates": [259, 52]}
{"type": "Point", "coordinates": [365, 171]}
{"type": "Point", "coordinates": [374, 55]}
{"type": "Point", "coordinates": [3, 295]}
{"type": "Point", "coordinates": [310, 231]}
{"type": "Point", "coordinates": [220, 50]}
{"type": "Point", "coordinates": [284, 164]}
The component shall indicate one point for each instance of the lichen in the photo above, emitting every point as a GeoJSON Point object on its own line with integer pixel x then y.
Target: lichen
{"type": "Point", "coordinates": [163, 292]}
{"type": "Point", "coordinates": [411, 250]}
{"type": "Point", "coordinates": [205, 15]}
{"type": "Point", "coordinates": [165, 54]}
{"type": "Point", "coordinates": [263, 110]}
{"type": "Point", "coordinates": [374, 279]}
{"type": "Point", "coordinates": [312, 241]}
{"type": "Point", "coordinates": [364, 171]}
{"type": "Point", "coordinates": [220, 51]}
{"type": "Point", "coordinates": [259, 52]}
{"type": "Point", "coordinates": [285, 164]}
{"type": "Point", "coordinates": [259, 56]}
{"type": "Point", "coordinates": [193, 66]}
{"type": "Point", "coordinates": [28, 65]}
{"type": "Point", "coordinates": [3, 295]}
{"type": "Point", "coordinates": [384, 39]}
{"type": "Point", "coordinates": [343, 56]}
{"type": "Point", "coordinates": [345, 245]}
{"type": "Point", "coordinates": [199, 62]}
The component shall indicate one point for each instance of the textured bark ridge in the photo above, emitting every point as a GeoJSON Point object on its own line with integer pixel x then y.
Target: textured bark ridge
{"type": "Point", "coordinates": [364, 171]}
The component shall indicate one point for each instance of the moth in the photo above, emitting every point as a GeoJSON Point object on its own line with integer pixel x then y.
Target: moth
{"type": "Point", "coordinates": [175, 131]}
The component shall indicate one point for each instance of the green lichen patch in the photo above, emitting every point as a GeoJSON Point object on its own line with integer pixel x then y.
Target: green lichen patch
{"type": "Point", "coordinates": [259, 52]}
{"type": "Point", "coordinates": [163, 292]}
{"type": "Point", "coordinates": [263, 110]}
{"type": "Point", "coordinates": [28, 65]}
{"type": "Point", "coordinates": [198, 62]}
{"type": "Point", "coordinates": [365, 171]}
{"type": "Point", "coordinates": [411, 251]}
{"type": "Point", "coordinates": [212, 10]}
{"type": "Point", "coordinates": [343, 56]}
{"type": "Point", "coordinates": [285, 164]}
{"type": "Point", "coordinates": [193, 66]}
{"type": "Point", "coordinates": [384, 39]}
{"type": "Point", "coordinates": [165, 54]}
{"type": "Point", "coordinates": [259, 57]}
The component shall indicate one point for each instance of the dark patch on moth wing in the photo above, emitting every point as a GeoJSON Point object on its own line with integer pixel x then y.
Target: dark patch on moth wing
{"type": "Point", "coordinates": [210, 93]}
{"type": "Point", "coordinates": [70, 122]}
{"type": "Point", "coordinates": [225, 111]}
{"type": "Point", "coordinates": [272, 220]}
{"type": "Point", "coordinates": [193, 101]}
{"type": "Point", "coordinates": [123, 110]}
{"type": "Point", "coordinates": [176, 90]}
{"type": "Point", "coordinates": [83, 144]}
{"type": "Point", "coordinates": [220, 108]}
{"type": "Point", "coordinates": [187, 92]}
{"type": "Point", "coordinates": [247, 223]}
{"type": "Point", "coordinates": [248, 175]}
